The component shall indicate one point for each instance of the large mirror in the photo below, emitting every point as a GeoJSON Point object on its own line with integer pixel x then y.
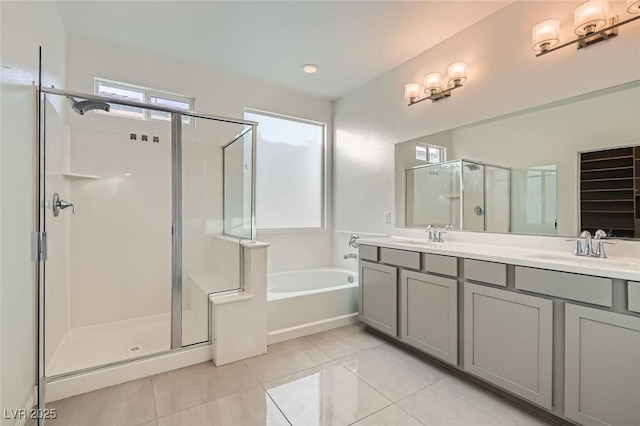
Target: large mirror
{"type": "Point", "coordinates": [552, 170]}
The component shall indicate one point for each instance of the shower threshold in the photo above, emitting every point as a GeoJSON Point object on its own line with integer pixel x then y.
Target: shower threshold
{"type": "Point", "coordinates": [96, 345]}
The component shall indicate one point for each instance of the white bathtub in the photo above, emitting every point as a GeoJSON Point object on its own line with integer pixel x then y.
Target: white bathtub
{"type": "Point", "coordinates": [308, 301]}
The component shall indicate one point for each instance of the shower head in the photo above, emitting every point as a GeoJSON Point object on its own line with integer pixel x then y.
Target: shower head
{"type": "Point", "coordinates": [472, 167]}
{"type": "Point", "coordinates": [83, 106]}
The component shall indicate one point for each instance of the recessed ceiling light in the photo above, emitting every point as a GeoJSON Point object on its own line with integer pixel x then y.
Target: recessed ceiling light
{"type": "Point", "coordinates": [310, 68]}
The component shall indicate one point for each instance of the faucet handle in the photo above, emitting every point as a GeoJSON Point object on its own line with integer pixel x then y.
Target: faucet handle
{"type": "Point", "coordinates": [599, 234]}
{"type": "Point", "coordinates": [599, 252]}
{"type": "Point", "coordinates": [444, 231]}
{"type": "Point", "coordinates": [585, 235]}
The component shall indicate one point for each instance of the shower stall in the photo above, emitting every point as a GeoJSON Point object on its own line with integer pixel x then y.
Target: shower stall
{"type": "Point", "coordinates": [139, 220]}
{"type": "Point", "coordinates": [469, 195]}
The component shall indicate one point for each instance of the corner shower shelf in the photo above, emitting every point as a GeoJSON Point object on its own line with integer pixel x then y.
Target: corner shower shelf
{"type": "Point", "coordinates": [79, 176]}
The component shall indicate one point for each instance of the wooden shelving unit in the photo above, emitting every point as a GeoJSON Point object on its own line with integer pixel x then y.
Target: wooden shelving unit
{"type": "Point", "coordinates": [609, 191]}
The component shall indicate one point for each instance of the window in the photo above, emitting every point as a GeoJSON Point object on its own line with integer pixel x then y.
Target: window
{"type": "Point", "coordinates": [290, 172]}
{"type": "Point", "coordinates": [431, 153]}
{"type": "Point", "coordinates": [128, 92]}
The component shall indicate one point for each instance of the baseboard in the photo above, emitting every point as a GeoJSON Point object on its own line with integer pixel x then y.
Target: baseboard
{"type": "Point", "coordinates": [28, 406]}
{"type": "Point", "coordinates": [94, 380]}
{"type": "Point", "coordinates": [278, 336]}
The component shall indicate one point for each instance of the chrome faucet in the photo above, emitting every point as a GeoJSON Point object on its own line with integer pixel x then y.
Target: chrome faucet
{"type": "Point", "coordinates": [350, 256]}
{"type": "Point", "coordinates": [430, 230]}
{"type": "Point", "coordinates": [353, 241]}
{"type": "Point", "coordinates": [587, 250]}
{"type": "Point", "coordinates": [435, 234]}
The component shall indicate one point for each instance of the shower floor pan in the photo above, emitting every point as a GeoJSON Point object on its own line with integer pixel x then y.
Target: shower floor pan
{"type": "Point", "coordinates": [96, 345]}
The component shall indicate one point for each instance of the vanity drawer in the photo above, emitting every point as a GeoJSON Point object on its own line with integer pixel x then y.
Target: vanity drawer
{"type": "Point", "coordinates": [404, 258]}
{"type": "Point", "coordinates": [634, 296]}
{"type": "Point", "coordinates": [368, 253]}
{"type": "Point", "coordinates": [443, 265]}
{"type": "Point", "coordinates": [583, 288]}
{"type": "Point", "coordinates": [486, 272]}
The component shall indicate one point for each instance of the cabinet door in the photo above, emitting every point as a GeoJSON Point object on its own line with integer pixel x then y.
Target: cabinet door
{"type": "Point", "coordinates": [429, 314]}
{"type": "Point", "coordinates": [602, 367]}
{"type": "Point", "coordinates": [379, 297]}
{"type": "Point", "coordinates": [508, 341]}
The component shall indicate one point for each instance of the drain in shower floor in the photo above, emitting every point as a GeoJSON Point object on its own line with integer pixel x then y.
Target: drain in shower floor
{"type": "Point", "coordinates": [135, 348]}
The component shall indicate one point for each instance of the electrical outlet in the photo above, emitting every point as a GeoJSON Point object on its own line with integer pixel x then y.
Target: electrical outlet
{"type": "Point", "coordinates": [387, 217]}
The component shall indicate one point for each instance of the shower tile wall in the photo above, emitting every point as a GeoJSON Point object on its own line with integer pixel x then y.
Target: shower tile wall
{"type": "Point", "coordinates": [121, 234]}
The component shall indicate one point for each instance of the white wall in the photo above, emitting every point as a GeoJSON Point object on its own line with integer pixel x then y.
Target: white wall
{"type": "Point", "coordinates": [25, 26]}
{"type": "Point", "coordinates": [503, 76]}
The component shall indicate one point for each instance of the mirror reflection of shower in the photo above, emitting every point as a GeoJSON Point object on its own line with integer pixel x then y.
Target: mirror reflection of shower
{"type": "Point", "coordinates": [468, 194]}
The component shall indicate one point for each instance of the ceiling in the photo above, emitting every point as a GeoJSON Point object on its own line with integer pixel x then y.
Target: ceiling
{"type": "Point", "coordinates": [352, 42]}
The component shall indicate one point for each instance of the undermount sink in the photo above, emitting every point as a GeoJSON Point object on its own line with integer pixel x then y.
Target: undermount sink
{"type": "Point", "coordinates": [594, 262]}
{"type": "Point", "coordinates": [423, 243]}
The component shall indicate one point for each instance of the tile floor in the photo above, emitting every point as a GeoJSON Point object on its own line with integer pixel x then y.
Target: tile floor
{"type": "Point", "coordinates": [339, 377]}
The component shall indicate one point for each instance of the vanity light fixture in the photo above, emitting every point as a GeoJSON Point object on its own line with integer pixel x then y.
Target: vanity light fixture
{"type": "Point", "coordinates": [433, 87]}
{"type": "Point", "coordinates": [591, 21]}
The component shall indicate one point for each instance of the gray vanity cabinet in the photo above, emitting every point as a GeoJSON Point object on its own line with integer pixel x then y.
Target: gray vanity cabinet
{"type": "Point", "coordinates": [429, 314]}
{"type": "Point", "coordinates": [379, 297]}
{"type": "Point", "coordinates": [508, 341]}
{"type": "Point", "coordinates": [602, 367]}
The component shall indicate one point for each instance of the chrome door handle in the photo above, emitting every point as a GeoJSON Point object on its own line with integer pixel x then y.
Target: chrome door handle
{"type": "Point", "coordinates": [60, 204]}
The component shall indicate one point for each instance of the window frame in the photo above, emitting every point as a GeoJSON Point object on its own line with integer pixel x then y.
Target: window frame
{"type": "Point", "coordinates": [323, 178]}
{"type": "Point", "coordinates": [427, 147]}
{"type": "Point", "coordinates": [148, 93]}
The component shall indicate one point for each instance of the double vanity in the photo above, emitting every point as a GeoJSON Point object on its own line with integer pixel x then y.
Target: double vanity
{"type": "Point", "coordinates": [559, 331]}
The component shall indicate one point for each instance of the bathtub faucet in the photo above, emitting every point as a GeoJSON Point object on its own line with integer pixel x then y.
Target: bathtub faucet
{"type": "Point", "coordinates": [350, 256]}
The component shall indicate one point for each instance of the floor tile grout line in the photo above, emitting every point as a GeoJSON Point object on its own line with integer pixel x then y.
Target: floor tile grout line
{"type": "Point", "coordinates": [369, 415]}
{"type": "Point", "coordinates": [448, 376]}
{"type": "Point", "coordinates": [214, 399]}
{"type": "Point", "coordinates": [277, 406]}
{"type": "Point", "coordinates": [327, 353]}
{"type": "Point", "coordinates": [408, 413]}
{"type": "Point", "coordinates": [368, 384]}
{"type": "Point", "coordinates": [300, 371]}
{"type": "Point", "coordinates": [153, 395]}
{"type": "Point", "coordinates": [376, 389]}
{"type": "Point", "coordinates": [267, 393]}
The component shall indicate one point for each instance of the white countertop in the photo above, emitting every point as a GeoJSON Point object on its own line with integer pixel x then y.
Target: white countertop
{"type": "Point", "coordinates": [612, 267]}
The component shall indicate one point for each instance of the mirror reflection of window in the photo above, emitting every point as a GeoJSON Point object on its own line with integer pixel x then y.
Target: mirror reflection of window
{"type": "Point", "coordinates": [431, 153]}
{"type": "Point", "coordinates": [435, 154]}
{"type": "Point", "coordinates": [534, 200]}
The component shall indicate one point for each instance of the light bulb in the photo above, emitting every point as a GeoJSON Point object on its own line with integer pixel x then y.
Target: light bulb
{"type": "Point", "coordinates": [432, 82]}
{"type": "Point", "coordinates": [545, 35]}
{"type": "Point", "coordinates": [591, 16]}
{"type": "Point", "coordinates": [457, 73]}
{"type": "Point", "coordinates": [412, 91]}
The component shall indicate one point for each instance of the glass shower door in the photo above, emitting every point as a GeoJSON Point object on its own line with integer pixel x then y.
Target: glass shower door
{"type": "Point", "coordinates": [107, 215]}
{"type": "Point", "coordinates": [473, 200]}
{"type": "Point", "coordinates": [215, 155]}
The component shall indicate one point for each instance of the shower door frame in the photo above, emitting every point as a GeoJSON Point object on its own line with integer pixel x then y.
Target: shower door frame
{"type": "Point", "coordinates": [39, 238]}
